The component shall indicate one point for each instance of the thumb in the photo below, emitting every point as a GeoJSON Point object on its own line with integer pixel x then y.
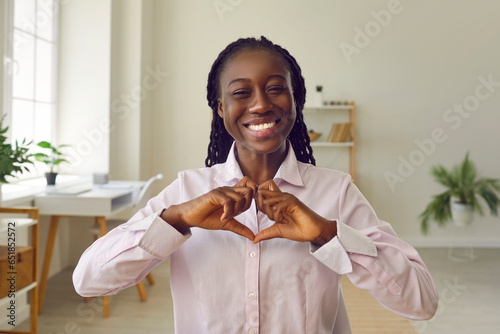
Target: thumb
{"type": "Point", "coordinates": [235, 226]}
{"type": "Point", "coordinates": [268, 233]}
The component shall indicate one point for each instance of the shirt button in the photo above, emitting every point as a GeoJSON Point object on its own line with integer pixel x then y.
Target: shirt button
{"type": "Point", "coordinates": [252, 331]}
{"type": "Point", "coordinates": [252, 254]}
{"type": "Point", "coordinates": [251, 295]}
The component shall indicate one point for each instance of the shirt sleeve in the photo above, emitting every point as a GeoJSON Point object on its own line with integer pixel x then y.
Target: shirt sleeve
{"type": "Point", "coordinates": [126, 254]}
{"type": "Point", "coordinates": [375, 259]}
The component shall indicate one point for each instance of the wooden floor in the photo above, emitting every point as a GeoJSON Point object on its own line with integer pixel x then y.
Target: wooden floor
{"type": "Point", "coordinates": [469, 292]}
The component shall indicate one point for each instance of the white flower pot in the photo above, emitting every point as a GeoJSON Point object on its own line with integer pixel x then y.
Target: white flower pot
{"type": "Point", "coordinates": [462, 214]}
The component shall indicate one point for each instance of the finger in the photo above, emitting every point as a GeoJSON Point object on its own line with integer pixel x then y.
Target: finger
{"type": "Point", "coordinates": [248, 194]}
{"type": "Point", "coordinates": [269, 185]}
{"type": "Point", "coordinates": [220, 198]}
{"type": "Point", "coordinates": [262, 196]}
{"type": "Point", "coordinates": [268, 233]}
{"type": "Point", "coordinates": [281, 210]}
{"type": "Point", "coordinates": [266, 208]}
{"type": "Point", "coordinates": [248, 183]}
{"type": "Point", "coordinates": [240, 198]}
{"type": "Point", "coordinates": [234, 226]}
{"type": "Point", "coordinates": [267, 199]}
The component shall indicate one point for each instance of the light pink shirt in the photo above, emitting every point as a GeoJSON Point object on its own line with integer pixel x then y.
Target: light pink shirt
{"type": "Point", "coordinates": [223, 283]}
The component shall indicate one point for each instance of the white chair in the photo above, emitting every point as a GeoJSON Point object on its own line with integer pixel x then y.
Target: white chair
{"type": "Point", "coordinates": [140, 202]}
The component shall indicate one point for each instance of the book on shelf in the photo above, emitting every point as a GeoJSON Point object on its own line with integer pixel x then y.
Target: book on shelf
{"type": "Point", "coordinates": [340, 133]}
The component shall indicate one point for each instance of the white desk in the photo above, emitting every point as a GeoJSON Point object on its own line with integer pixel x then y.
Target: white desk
{"type": "Point", "coordinates": [100, 202]}
{"type": "Point", "coordinates": [105, 200]}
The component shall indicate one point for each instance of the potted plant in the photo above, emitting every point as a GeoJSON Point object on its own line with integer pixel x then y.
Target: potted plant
{"type": "Point", "coordinates": [462, 195]}
{"type": "Point", "coordinates": [13, 158]}
{"type": "Point", "coordinates": [52, 159]}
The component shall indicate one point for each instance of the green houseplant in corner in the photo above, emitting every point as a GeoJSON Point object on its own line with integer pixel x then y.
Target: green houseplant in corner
{"type": "Point", "coordinates": [52, 159]}
{"type": "Point", "coordinates": [462, 195]}
{"type": "Point", "coordinates": [13, 158]}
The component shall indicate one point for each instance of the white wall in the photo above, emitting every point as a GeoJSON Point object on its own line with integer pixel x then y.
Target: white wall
{"type": "Point", "coordinates": [83, 111]}
{"type": "Point", "coordinates": [84, 83]}
{"type": "Point", "coordinates": [132, 86]}
{"type": "Point", "coordinates": [426, 59]}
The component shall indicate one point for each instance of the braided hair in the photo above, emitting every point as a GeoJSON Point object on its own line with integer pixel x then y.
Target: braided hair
{"type": "Point", "coordinates": [220, 139]}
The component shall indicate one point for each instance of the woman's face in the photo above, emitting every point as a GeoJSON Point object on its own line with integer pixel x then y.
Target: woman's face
{"type": "Point", "coordinates": [256, 102]}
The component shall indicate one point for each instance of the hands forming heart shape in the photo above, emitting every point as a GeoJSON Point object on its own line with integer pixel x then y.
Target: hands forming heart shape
{"type": "Point", "coordinates": [216, 210]}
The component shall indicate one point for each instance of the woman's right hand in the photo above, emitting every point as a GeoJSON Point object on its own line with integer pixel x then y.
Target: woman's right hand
{"type": "Point", "coordinates": [215, 210]}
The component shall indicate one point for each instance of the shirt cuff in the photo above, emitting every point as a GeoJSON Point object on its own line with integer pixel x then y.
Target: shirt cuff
{"type": "Point", "coordinates": [161, 239]}
{"type": "Point", "coordinates": [334, 255]}
{"type": "Point", "coordinates": [354, 241]}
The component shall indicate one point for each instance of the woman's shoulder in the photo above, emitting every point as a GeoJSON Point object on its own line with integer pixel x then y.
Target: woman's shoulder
{"type": "Point", "coordinates": [309, 170]}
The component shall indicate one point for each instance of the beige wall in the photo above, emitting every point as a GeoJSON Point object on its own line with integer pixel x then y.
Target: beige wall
{"type": "Point", "coordinates": [425, 60]}
{"type": "Point", "coordinates": [83, 110]}
{"type": "Point", "coordinates": [413, 68]}
{"type": "Point", "coordinates": [84, 84]}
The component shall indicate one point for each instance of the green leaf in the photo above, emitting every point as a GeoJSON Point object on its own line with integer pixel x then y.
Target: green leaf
{"type": "Point", "coordinates": [44, 144]}
{"type": "Point", "coordinates": [58, 161]}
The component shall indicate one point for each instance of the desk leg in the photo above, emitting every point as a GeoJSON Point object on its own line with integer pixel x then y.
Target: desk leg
{"type": "Point", "coordinates": [49, 249]}
{"type": "Point", "coordinates": [105, 299]}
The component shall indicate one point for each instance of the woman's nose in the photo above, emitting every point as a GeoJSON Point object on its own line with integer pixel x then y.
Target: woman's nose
{"type": "Point", "coordinates": [261, 103]}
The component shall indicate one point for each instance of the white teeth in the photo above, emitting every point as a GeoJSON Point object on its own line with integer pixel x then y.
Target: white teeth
{"type": "Point", "coordinates": [260, 127]}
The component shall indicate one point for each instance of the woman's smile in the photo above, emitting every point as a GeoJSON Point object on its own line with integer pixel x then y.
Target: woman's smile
{"type": "Point", "coordinates": [263, 127]}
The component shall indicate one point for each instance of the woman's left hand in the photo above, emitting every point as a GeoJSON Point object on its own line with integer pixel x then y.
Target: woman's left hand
{"type": "Point", "coordinates": [293, 219]}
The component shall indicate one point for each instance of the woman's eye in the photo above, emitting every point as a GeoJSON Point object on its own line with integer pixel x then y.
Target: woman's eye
{"type": "Point", "coordinates": [276, 89]}
{"type": "Point", "coordinates": [240, 93]}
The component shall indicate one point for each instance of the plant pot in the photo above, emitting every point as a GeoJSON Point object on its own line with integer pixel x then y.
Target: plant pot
{"type": "Point", "coordinates": [51, 178]}
{"type": "Point", "coordinates": [462, 214]}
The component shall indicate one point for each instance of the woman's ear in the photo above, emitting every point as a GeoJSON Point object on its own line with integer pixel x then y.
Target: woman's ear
{"type": "Point", "coordinates": [220, 111]}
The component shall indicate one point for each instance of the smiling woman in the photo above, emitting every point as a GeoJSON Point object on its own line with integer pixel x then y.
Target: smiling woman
{"type": "Point", "coordinates": [259, 239]}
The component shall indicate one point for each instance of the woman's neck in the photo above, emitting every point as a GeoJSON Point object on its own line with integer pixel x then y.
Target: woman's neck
{"type": "Point", "coordinates": [260, 167]}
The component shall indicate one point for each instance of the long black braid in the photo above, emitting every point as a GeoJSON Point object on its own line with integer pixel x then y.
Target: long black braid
{"type": "Point", "coordinates": [220, 140]}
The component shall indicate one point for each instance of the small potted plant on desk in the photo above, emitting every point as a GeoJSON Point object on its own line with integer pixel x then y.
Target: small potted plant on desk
{"type": "Point", "coordinates": [53, 159]}
{"type": "Point", "coordinates": [461, 197]}
{"type": "Point", "coordinates": [13, 158]}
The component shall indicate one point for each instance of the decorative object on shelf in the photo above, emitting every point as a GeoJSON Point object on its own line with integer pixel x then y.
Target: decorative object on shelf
{"type": "Point", "coordinates": [313, 135]}
{"type": "Point", "coordinates": [53, 159]}
{"type": "Point", "coordinates": [13, 158]}
{"type": "Point", "coordinates": [317, 99]}
{"type": "Point", "coordinates": [320, 118]}
{"type": "Point", "coordinates": [461, 197]}
{"type": "Point", "coordinates": [340, 133]}
{"type": "Point", "coordinates": [336, 103]}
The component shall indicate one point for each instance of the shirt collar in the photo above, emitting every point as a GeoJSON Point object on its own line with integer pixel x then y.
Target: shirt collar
{"type": "Point", "coordinates": [288, 171]}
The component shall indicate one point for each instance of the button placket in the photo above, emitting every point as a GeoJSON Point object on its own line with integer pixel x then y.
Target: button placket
{"type": "Point", "coordinates": [252, 262]}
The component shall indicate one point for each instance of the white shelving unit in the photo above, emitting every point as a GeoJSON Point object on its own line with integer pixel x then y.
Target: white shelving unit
{"type": "Point", "coordinates": [321, 119]}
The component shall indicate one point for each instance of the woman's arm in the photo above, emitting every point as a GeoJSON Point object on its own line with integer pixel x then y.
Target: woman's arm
{"type": "Point", "coordinates": [387, 267]}
{"type": "Point", "coordinates": [126, 254]}
{"type": "Point", "coordinates": [357, 244]}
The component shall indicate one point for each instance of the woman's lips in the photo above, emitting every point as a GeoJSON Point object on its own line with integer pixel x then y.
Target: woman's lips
{"type": "Point", "coordinates": [260, 127]}
{"type": "Point", "coordinates": [263, 130]}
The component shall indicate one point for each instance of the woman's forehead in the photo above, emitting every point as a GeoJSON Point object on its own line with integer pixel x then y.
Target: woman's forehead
{"type": "Point", "coordinates": [248, 63]}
